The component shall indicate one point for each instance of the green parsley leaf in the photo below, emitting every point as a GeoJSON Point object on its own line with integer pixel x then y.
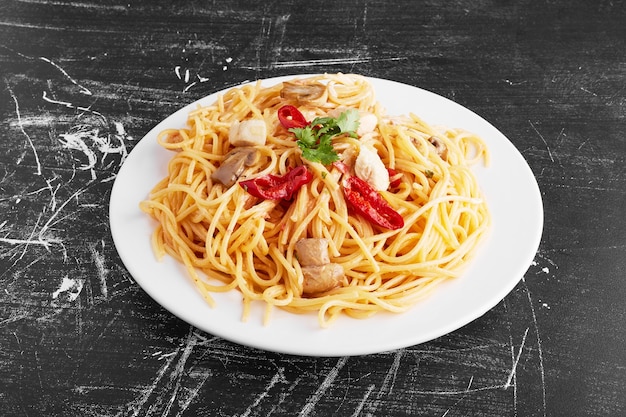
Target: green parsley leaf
{"type": "Point", "coordinates": [315, 139]}
{"type": "Point", "coordinates": [324, 154]}
{"type": "Point", "coordinates": [306, 137]}
{"type": "Point", "coordinates": [348, 121]}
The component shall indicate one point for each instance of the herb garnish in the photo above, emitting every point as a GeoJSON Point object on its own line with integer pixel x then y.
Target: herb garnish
{"type": "Point", "coordinates": [315, 139]}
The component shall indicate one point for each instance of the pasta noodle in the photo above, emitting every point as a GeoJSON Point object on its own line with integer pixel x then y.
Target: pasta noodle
{"type": "Point", "coordinates": [229, 239]}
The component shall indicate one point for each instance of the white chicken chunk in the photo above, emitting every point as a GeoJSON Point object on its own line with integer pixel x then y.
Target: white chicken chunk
{"type": "Point", "coordinates": [371, 169]}
{"type": "Point", "coordinates": [367, 123]}
{"type": "Point", "coordinates": [318, 273]}
{"type": "Point", "coordinates": [250, 132]}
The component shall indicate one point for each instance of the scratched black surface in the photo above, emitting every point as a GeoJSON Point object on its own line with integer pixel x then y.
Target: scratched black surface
{"type": "Point", "coordinates": [82, 82]}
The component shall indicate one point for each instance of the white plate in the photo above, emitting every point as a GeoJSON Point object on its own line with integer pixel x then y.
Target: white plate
{"type": "Point", "coordinates": [508, 183]}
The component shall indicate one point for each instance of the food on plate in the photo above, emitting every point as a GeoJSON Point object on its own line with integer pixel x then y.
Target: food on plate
{"type": "Point", "coordinates": [307, 196]}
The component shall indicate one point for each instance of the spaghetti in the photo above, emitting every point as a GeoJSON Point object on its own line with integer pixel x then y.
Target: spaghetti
{"type": "Point", "coordinates": [229, 239]}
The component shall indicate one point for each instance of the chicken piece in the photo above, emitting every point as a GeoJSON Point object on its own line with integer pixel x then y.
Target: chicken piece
{"type": "Point", "coordinates": [234, 164]}
{"type": "Point", "coordinates": [312, 251]}
{"type": "Point", "coordinates": [321, 278]}
{"type": "Point", "coordinates": [371, 169]}
{"type": "Point", "coordinates": [250, 132]}
{"type": "Point", "coordinates": [367, 123]}
{"type": "Point", "coordinates": [302, 93]}
{"type": "Point", "coordinates": [440, 147]}
{"type": "Point", "coordinates": [319, 274]}
{"type": "Point", "coordinates": [337, 111]}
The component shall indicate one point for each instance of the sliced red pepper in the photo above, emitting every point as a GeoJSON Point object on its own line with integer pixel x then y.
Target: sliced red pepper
{"type": "Point", "coordinates": [368, 202]}
{"type": "Point", "coordinates": [290, 116]}
{"type": "Point", "coordinates": [342, 167]}
{"type": "Point", "coordinates": [276, 187]}
{"type": "Point", "coordinates": [395, 178]}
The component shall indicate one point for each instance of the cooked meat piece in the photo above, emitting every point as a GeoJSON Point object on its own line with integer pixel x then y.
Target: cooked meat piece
{"type": "Point", "coordinates": [371, 169]}
{"type": "Point", "coordinates": [312, 251]}
{"type": "Point", "coordinates": [234, 163]}
{"type": "Point", "coordinates": [252, 132]}
{"type": "Point", "coordinates": [321, 278]}
{"type": "Point", "coordinates": [367, 123]}
{"type": "Point", "coordinates": [299, 92]}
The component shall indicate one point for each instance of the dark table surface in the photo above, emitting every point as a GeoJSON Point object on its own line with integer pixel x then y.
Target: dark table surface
{"type": "Point", "coordinates": [83, 81]}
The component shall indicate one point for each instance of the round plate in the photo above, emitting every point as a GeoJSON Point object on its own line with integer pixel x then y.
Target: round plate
{"type": "Point", "coordinates": [502, 259]}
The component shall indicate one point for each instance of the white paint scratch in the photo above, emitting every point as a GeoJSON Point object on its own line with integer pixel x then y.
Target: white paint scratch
{"type": "Point", "coordinates": [588, 91]}
{"type": "Point", "coordinates": [71, 106]}
{"type": "Point", "coordinates": [279, 376]}
{"type": "Point", "coordinates": [469, 385]}
{"type": "Point", "coordinates": [73, 81]}
{"type": "Point", "coordinates": [42, 242]}
{"type": "Point", "coordinates": [102, 271]}
{"type": "Point", "coordinates": [172, 385]}
{"type": "Point", "coordinates": [539, 348]}
{"type": "Point", "coordinates": [78, 4]}
{"type": "Point", "coordinates": [72, 287]}
{"type": "Point", "coordinates": [175, 377]}
{"type": "Point", "coordinates": [514, 380]}
{"type": "Point", "coordinates": [40, 234]}
{"type": "Point", "coordinates": [193, 393]}
{"type": "Point", "coordinates": [21, 126]}
{"type": "Point", "coordinates": [53, 193]}
{"type": "Point", "coordinates": [139, 403]}
{"type": "Point", "coordinates": [50, 220]}
{"type": "Point", "coordinates": [14, 319]}
{"type": "Point", "coordinates": [189, 86]}
{"type": "Point", "coordinates": [186, 78]}
{"type": "Point", "coordinates": [543, 140]}
{"type": "Point", "coordinates": [459, 391]}
{"type": "Point", "coordinates": [317, 62]}
{"type": "Point", "coordinates": [516, 361]}
{"type": "Point", "coordinates": [321, 390]}
{"type": "Point", "coordinates": [359, 407]}
{"type": "Point", "coordinates": [388, 382]}
{"type": "Point", "coordinates": [31, 240]}
{"type": "Point", "coordinates": [83, 137]}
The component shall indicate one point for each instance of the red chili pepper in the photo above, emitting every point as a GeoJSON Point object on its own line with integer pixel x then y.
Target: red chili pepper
{"type": "Point", "coordinates": [342, 167]}
{"type": "Point", "coordinates": [395, 178]}
{"type": "Point", "coordinates": [289, 117]}
{"type": "Point", "coordinates": [276, 187]}
{"type": "Point", "coordinates": [368, 202]}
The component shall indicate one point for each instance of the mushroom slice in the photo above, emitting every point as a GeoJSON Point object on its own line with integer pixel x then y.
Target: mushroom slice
{"type": "Point", "coordinates": [440, 147]}
{"type": "Point", "coordinates": [321, 278]}
{"type": "Point", "coordinates": [312, 251]}
{"type": "Point", "coordinates": [234, 163]}
{"type": "Point", "coordinates": [300, 92]}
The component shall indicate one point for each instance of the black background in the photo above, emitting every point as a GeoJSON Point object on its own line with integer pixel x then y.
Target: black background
{"type": "Point", "coordinates": [83, 81]}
